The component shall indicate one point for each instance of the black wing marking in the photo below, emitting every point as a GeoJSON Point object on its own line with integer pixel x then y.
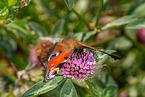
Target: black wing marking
{"type": "Point", "coordinates": [112, 56]}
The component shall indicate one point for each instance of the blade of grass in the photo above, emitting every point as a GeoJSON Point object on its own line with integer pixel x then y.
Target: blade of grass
{"type": "Point", "coordinates": [99, 12]}
{"type": "Point", "coordinates": [10, 76]}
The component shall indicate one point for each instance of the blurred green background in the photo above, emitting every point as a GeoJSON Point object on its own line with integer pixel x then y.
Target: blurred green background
{"type": "Point", "coordinates": [25, 24]}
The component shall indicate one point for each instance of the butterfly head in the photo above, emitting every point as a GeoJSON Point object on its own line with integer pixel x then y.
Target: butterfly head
{"type": "Point", "coordinates": [51, 74]}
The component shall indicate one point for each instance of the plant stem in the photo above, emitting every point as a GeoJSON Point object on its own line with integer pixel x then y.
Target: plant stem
{"type": "Point", "coordinates": [81, 18]}
{"type": "Point", "coordinates": [99, 12]}
{"type": "Point", "coordinates": [90, 87]}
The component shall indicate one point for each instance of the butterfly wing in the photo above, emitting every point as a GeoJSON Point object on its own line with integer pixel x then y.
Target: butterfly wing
{"type": "Point", "coordinates": [55, 64]}
{"type": "Point", "coordinates": [61, 58]}
{"type": "Point", "coordinates": [58, 48]}
{"type": "Point", "coordinates": [56, 60]}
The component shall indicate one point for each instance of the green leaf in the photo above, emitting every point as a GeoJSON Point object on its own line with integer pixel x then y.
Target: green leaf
{"type": "Point", "coordinates": [17, 29]}
{"type": "Point", "coordinates": [96, 90]}
{"type": "Point", "coordinates": [20, 31]}
{"type": "Point", "coordinates": [68, 89]}
{"type": "Point", "coordinates": [138, 24]}
{"type": "Point", "coordinates": [11, 2]}
{"type": "Point", "coordinates": [110, 51]}
{"type": "Point", "coordinates": [58, 28]}
{"type": "Point", "coordinates": [109, 91]}
{"type": "Point", "coordinates": [102, 81]}
{"type": "Point", "coordinates": [43, 87]}
{"type": "Point", "coordinates": [131, 33]}
{"type": "Point", "coordinates": [39, 31]}
{"type": "Point", "coordinates": [101, 57]}
{"type": "Point", "coordinates": [81, 36]}
{"type": "Point", "coordinates": [69, 4]}
{"type": "Point", "coordinates": [82, 84]}
{"type": "Point", "coordinates": [139, 12]}
{"type": "Point", "coordinates": [4, 12]}
{"type": "Point", "coordinates": [8, 45]}
{"type": "Point", "coordinates": [135, 4]}
{"type": "Point", "coordinates": [121, 43]}
{"type": "Point", "coordinates": [2, 4]}
{"type": "Point", "coordinates": [119, 22]}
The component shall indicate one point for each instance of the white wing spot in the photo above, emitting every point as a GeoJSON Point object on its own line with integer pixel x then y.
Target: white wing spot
{"type": "Point", "coordinates": [52, 68]}
{"type": "Point", "coordinates": [57, 54]}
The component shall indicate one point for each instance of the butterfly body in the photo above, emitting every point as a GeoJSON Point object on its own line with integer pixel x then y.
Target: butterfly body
{"type": "Point", "coordinates": [61, 52]}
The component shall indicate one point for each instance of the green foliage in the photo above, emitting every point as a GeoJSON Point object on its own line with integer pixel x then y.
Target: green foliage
{"type": "Point", "coordinates": [138, 24]}
{"type": "Point", "coordinates": [8, 45]}
{"type": "Point", "coordinates": [68, 90]}
{"type": "Point", "coordinates": [4, 12]}
{"type": "Point", "coordinates": [39, 31]}
{"type": "Point", "coordinates": [11, 2]}
{"type": "Point", "coordinates": [109, 91]}
{"type": "Point", "coordinates": [135, 5]}
{"type": "Point", "coordinates": [81, 36]}
{"type": "Point", "coordinates": [58, 28]}
{"type": "Point", "coordinates": [43, 87]}
{"type": "Point", "coordinates": [119, 22]}
{"type": "Point", "coordinates": [9, 8]}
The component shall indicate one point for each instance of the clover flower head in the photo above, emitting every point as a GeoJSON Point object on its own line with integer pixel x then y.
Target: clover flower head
{"type": "Point", "coordinates": [80, 65]}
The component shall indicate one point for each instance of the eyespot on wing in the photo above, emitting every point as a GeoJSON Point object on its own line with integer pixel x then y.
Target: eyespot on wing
{"type": "Point", "coordinates": [51, 74]}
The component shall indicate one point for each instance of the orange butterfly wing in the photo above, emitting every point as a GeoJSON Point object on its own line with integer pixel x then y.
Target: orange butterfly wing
{"type": "Point", "coordinates": [61, 58]}
{"type": "Point", "coordinates": [55, 64]}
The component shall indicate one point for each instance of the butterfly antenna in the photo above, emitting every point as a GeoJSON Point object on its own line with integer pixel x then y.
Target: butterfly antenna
{"type": "Point", "coordinates": [112, 56]}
